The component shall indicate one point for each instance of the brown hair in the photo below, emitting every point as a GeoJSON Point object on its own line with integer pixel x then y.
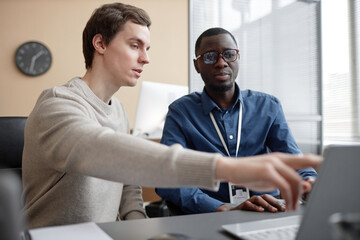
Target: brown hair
{"type": "Point", "coordinates": [108, 20]}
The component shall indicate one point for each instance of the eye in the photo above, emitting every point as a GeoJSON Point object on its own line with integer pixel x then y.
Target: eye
{"type": "Point", "coordinates": [134, 46]}
{"type": "Point", "coordinates": [229, 53]}
{"type": "Point", "coordinates": [210, 56]}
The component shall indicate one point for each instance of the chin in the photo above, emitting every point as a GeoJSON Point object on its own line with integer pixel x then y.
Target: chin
{"type": "Point", "coordinates": [222, 88]}
{"type": "Point", "coordinates": [131, 83]}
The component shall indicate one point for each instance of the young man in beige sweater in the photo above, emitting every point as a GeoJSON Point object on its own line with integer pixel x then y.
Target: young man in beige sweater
{"type": "Point", "coordinates": [79, 162]}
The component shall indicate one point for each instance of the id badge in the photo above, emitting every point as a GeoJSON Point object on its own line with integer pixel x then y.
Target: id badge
{"type": "Point", "coordinates": [238, 194]}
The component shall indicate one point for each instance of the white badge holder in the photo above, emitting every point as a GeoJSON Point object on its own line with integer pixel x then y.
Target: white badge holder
{"type": "Point", "coordinates": [238, 194]}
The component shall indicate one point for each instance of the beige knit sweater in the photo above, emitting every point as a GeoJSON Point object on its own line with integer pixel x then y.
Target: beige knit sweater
{"type": "Point", "coordinates": [80, 164]}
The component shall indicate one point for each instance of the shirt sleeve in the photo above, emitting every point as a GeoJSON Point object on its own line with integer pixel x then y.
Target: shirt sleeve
{"type": "Point", "coordinates": [189, 200]}
{"type": "Point", "coordinates": [280, 139]}
{"type": "Point", "coordinates": [173, 129]}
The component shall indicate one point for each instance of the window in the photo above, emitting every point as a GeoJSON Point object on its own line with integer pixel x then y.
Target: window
{"type": "Point", "coordinates": [280, 48]}
{"type": "Point", "coordinates": [341, 44]}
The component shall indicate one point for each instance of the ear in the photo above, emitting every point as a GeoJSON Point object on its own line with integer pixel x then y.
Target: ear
{"type": "Point", "coordinates": [99, 43]}
{"type": "Point", "coordinates": [196, 65]}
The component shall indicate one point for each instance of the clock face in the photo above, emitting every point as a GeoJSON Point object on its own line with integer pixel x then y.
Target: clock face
{"type": "Point", "coordinates": [33, 58]}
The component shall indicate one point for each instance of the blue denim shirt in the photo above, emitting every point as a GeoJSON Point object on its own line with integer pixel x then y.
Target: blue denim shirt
{"type": "Point", "coordinates": [264, 129]}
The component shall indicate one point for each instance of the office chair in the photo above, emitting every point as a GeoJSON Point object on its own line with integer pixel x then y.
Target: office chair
{"type": "Point", "coordinates": [11, 222]}
{"type": "Point", "coordinates": [174, 210]}
{"type": "Point", "coordinates": [11, 148]}
{"type": "Point", "coordinates": [11, 143]}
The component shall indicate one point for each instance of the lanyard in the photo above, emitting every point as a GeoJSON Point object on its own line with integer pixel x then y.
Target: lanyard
{"type": "Point", "coordinates": [237, 194]}
{"type": "Point", "coordinates": [238, 133]}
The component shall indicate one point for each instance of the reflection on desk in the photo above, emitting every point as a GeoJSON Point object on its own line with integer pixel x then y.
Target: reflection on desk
{"type": "Point", "coordinates": [198, 226]}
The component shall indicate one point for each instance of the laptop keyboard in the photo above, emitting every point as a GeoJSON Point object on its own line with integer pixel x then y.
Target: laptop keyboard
{"type": "Point", "coordinates": [279, 233]}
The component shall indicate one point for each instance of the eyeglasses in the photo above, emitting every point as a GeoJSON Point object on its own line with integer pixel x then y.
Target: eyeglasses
{"type": "Point", "coordinates": [229, 55]}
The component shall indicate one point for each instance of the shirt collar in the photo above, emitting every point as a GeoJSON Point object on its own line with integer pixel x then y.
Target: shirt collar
{"type": "Point", "coordinates": [208, 104]}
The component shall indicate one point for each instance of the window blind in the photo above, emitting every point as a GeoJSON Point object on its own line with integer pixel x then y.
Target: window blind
{"type": "Point", "coordinates": [341, 65]}
{"type": "Point", "coordinates": [279, 43]}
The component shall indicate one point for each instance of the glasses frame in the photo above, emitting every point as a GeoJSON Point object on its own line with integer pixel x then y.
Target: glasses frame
{"type": "Point", "coordinates": [219, 55]}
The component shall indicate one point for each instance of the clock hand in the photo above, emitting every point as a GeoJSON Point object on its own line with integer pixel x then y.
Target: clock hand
{"type": "Point", "coordinates": [33, 59]}
{"type": "Point", "coordinates": [31, 69]}
{"type": "Point", "coordinates": [39, 54]}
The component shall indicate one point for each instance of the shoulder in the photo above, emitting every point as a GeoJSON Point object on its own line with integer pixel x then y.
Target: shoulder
{"type": "Point", "coordinates": [61, 98]}
{"type": "Point", "coordinates": [186, 102]}
{"type": "Point", "coordinates": [70, 90]}
{"type": "Point", "coordinates": [259, 97]}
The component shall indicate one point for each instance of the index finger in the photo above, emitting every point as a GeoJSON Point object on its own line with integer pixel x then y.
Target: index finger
{"type": "Point", "coordinates": [300, 161]}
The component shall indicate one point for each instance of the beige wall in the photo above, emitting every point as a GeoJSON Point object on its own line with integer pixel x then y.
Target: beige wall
{"type": "Point", "coordinates": [59, 24]}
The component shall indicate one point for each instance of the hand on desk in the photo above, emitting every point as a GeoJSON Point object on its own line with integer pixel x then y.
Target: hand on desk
{"type": "Point", "coordinates": [268, 172]}
{"type": "Point", "coordinates": [261, 203]}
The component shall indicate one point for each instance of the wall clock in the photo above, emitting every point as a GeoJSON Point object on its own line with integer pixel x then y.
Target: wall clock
{"type": "Point", "coordinates": [33, 58]}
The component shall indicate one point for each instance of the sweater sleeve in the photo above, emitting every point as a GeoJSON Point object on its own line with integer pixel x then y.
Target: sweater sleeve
{"type": "Point", "coordinates": [65, 132]}
{"type": "Point", "coordinates": [131, 203]}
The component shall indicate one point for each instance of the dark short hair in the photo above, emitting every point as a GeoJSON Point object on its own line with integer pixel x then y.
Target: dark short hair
{"type": "Point", "coordinates": [108, 20]}
{"type": "Point", "coordinates": [211, 32]}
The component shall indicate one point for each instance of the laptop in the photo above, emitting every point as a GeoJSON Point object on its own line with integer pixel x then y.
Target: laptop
{"type": "Point", "coordinates": [153, 103]}
{"type": "Point", "coordinates": [336, 190]}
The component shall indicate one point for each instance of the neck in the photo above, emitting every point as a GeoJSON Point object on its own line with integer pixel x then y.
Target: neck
{"type": "Point", "coordinates": [99, 85]}
{"type": "Point", "coordinates": [223, 99]}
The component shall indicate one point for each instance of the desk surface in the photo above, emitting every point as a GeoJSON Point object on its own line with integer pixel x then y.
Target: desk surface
{"type": "Point", "coordinates": [198, 226]}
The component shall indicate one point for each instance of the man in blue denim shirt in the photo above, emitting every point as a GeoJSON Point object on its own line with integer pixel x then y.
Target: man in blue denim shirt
{"type": "Point", "coordinates": [210, 122]}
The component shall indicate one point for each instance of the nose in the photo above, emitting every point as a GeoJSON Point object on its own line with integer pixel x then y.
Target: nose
{"type": "Point", "coordinates": [221, 61]}
{"type": "Point", "coordinates": [144, 57]}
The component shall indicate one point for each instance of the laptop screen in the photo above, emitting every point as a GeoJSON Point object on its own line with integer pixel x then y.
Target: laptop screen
{"type": "Point", "coordinates": [153, 103]}
{"type": "Point", "coordinates": [336, 191]}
